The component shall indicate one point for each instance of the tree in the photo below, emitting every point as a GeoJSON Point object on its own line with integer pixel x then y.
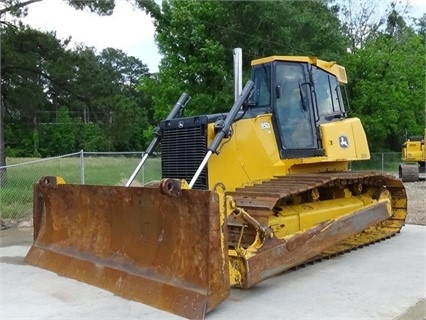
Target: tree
{"type": "Point", "coordinates": [33, 65]}
{"type": "Point", "coordinates": [106, 85]}
{"type": "Point", "coordinates": [18, 9]}
{"type": "Point", "coordinates": [420, 25]}
{"type": "Point", "coordinates": [60, 136]}
{"type": "Point", "coordinates": [362, 19]}
{"type": "Point", "coordinates": [40, 74]}
{"type": "Point", "coordinates": [387, 85]}
{"type": "Point", "coordinates": [196, 39]}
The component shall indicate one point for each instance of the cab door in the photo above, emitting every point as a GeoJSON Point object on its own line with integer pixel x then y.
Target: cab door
{"type": "Point", "coordinates": [293, 110]}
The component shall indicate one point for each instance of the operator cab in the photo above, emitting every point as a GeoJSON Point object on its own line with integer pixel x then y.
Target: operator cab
{"type": "Point", "coordinates": [301, 93]}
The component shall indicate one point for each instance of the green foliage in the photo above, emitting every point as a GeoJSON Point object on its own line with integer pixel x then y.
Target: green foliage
{"type": "Point", "coordinates": [387, 84]}
{"type": "Point", "coordinates": [39, 74]}
{"type": "Point", "coordinates": [196, 39]}
{"type": "Point", "coordinates": [19, 8]}
{"type": "Point", "coordinates": [61, 136]}
{"type": "Point", "coordinates": [101, 7]}
{"type": "Point", "coordinates": [92, 138]}
{"type": "Point", "coordinates": [54, 98]}
{"type": "Point", "coordinates": [420, 25]}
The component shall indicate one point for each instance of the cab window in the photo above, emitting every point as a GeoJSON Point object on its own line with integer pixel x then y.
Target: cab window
{"type": "Point", "coordinates": [327, 92]}
{"type": "Point", "coordinates": [262, 81]}
{"type": "Point", "coordinates": [293, 113]}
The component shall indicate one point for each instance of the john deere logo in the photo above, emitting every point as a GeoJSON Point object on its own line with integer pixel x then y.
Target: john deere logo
{"type": "Point", "coordinates": [343, 142]}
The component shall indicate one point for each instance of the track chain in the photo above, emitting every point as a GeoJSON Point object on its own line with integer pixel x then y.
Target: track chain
{"type": "Point", "coordinates": [263, 197]}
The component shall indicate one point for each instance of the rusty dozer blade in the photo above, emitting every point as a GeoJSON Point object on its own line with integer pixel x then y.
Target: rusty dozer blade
{"type": "Point", "coordinates": [164, 251]}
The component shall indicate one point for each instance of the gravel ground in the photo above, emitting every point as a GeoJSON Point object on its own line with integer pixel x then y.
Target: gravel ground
{"type": "Point", "coordinates": [416, 194]}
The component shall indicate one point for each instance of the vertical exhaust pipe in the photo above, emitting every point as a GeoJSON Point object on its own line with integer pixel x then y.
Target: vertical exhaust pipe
{"type": "Point", "coordinates": [240, 97]}
{"type": "Point", "coordinates": [238, 72]}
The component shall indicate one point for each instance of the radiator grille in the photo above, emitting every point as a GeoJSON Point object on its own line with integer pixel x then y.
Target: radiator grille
{"type": "Point", "coordinates": [182, 151]}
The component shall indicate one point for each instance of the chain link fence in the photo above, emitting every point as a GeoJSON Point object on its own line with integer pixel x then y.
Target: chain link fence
{"type": "Point", "coordinates": [104, 168]}
{"type": "Point", "coordinates": [97, 168]}
{"type": "Point", "coordinates": [386, 161]}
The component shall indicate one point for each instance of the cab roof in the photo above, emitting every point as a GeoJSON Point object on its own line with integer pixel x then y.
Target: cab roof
{"type": "Point", "coordinates": [329, 66]}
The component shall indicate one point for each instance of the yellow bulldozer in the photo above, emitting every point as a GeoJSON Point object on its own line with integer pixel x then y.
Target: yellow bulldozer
{"type": "Point", "coordinates": [244, 196]}
{"type": "Point", "coordinates": [413, 156]}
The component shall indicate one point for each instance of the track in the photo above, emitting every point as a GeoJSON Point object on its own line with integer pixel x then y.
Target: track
{"type": "Point", "coordinates": [260, 200]}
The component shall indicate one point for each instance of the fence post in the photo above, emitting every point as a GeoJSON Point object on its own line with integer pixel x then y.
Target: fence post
{"type": "Point", "coordinates": [143, 172]}
{"type": "Point", "coordinates": [82, 166]}
{"type": "Point", "coordinates": [383, 162]}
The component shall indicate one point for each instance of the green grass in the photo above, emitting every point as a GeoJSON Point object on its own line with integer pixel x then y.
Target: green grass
{"type": "Point", "coordinates": [116, 170]}
{"type": "Point", "coordinates": [16, 191]}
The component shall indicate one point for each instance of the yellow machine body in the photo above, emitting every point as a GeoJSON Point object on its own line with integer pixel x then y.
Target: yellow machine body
{"type": "Point", "coordinates": [244, 196]}
{"type": "Point", "coordinates": [252, 156]}
{"type": "Point", "coordinates": [413, 156]}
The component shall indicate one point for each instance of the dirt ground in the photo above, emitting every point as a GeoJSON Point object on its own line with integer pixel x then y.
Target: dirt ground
{"type": "Point", "coordinates": [416, 194]}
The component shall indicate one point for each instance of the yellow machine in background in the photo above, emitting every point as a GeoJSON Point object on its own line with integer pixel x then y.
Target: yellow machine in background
{"type": "Point", "coordinates": [414, 157]}
{"type": "Point", "coordinates": [244, 196]}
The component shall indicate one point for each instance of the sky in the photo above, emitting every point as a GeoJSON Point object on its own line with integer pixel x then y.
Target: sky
{"type": "Point", "coordinates": [127, 29]}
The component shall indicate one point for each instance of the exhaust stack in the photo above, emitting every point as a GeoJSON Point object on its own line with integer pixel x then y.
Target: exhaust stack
{"type": "Point", "coordinates": [238, 72]}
